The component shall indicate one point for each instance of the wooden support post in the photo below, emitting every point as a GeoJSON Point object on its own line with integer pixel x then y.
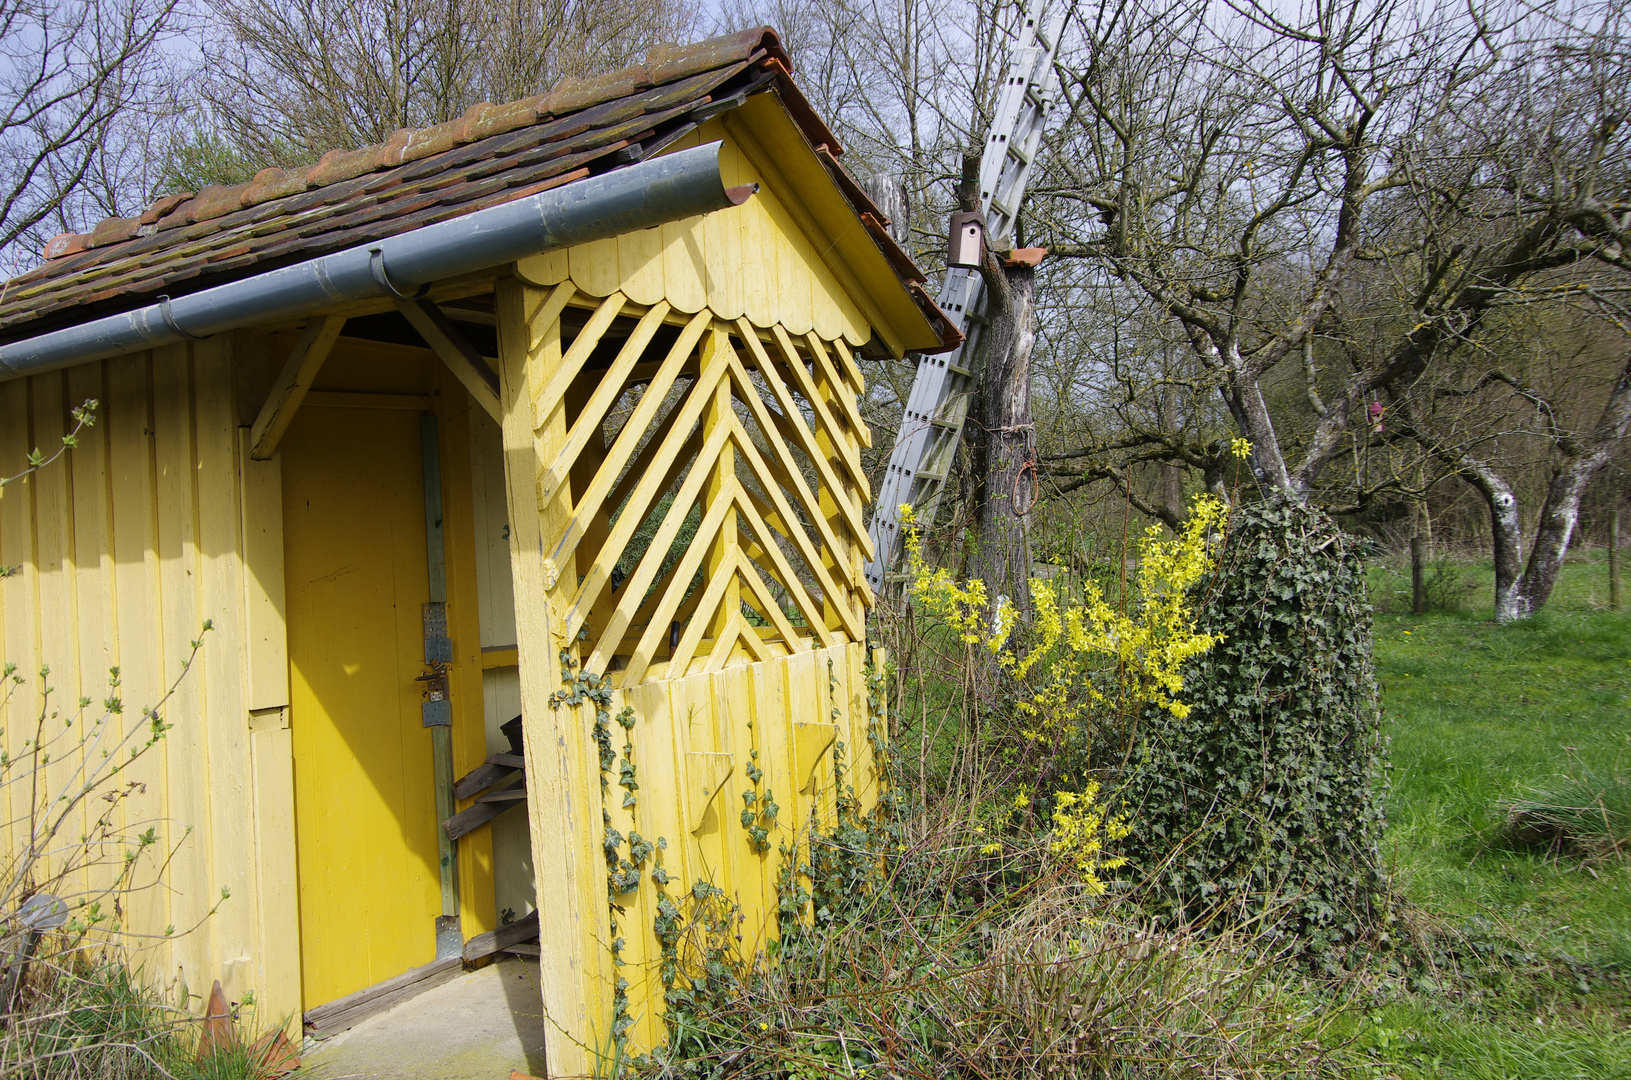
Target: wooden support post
{"type": "Point", "coordinates": [455, 350]}
{"type": "Point", "coordinates": [305, 360]}
{"type": "Point", "coordinates": [562, 775]}
{"type": "Point", "coordinates": [1614, 560]}
{"type": "Point", "coordinates": [1418, 576]}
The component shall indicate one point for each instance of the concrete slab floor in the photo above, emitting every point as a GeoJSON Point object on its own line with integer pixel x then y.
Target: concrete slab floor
{"type": "Point", "coordinates": [477, 1026]}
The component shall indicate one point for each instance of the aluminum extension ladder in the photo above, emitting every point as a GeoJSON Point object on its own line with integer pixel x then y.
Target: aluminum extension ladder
{"type": "Point", "coordinates": [938, 404]}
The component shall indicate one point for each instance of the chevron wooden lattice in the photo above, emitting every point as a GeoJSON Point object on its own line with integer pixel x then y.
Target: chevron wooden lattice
{"type": "Point", "coordinates": [703, 502]}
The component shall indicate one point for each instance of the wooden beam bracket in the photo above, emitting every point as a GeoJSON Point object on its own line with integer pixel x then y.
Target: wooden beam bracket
{"type": "Point", "coordinates": [289, 389]}
{"type": "Point", "coordinates": [455, 350]}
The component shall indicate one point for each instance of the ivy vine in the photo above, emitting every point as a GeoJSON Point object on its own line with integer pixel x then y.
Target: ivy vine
{"type": "Point", "coordinates": [1266, 800]}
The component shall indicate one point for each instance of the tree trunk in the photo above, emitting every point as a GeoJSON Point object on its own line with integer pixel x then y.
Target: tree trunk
{"type": "Point", "coordinates": [1519, 595]}
{"type": "Point", "coordinates": [1506, 538]}
{"type": "Point", "coordinates": [1558, 517]}
{"type": "Point", "coordinates": [1003, 441]}
{"type": "Point", "coordinates": [1171, 475]}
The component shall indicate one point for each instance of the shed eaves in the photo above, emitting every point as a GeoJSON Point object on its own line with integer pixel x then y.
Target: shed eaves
{"type": "Point", "coordinates": [490, 155]}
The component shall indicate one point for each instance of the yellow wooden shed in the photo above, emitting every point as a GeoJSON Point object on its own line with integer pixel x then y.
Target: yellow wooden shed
{"type": "Point", "coordinates": [548, 412]}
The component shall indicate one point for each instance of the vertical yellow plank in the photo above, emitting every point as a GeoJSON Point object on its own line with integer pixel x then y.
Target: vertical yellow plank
{"type": "Point", "coordinates": [773, 718]}
{"type": "Point", "coordinates": [794, 258]}
{"type": "Point", "coordinates": [491, 523]}
{"type": "Point", "coordinates": [808, 701]}
{"type": "Point", "coordinates": [272, 772]}
{"type": "Point", "coordinates": [550, 268]}
{"type": "Point", "coordinates": [856, 330]}
{"type": "Point", "coordinates": [563, 786]}
{"type": "Point", "coordinates": [722, 236]}
{"type": "Point", "coordinates": [65, 641]}
{"type": "Point", "coordinates": [186, 798]}
{"type": "Point", "coordinates": [758, 246]}
{"type": "Point", "coordinates": [835, 684]}
{"type": "Point", "coordinates": [684, 256]}
{"type": "Point", "coordinates": [664, 737]}
{"type": "Point", "coordinates": [139, 624]}
{"type": "Point", "coordinates": [225, 766]}
{"type": "Point", "coordinates": [707, 841]}
{"type": "Point", "coordinates": [92, 551]}
{"type": "Point", "coordinates": [86, 475]}
{"type": "Point", "coordinates": [265, 629]}
{"type": "Point", "coordinates": [271, 751]}
{"type": "Point", "coordinates": [644, 820]}
{"type": "Point", "coordinates": [56, 594]}
{"type": "Point", "coordinates": [826, 312]}
{"type": "Point", "coordinates": [684, 265]}
{"type": "Point", "coordinates": [53, 526]}
{"type": "Point", "coordinates": [17, 549]}
{"type": "Point", "coordinates": [733, 696]}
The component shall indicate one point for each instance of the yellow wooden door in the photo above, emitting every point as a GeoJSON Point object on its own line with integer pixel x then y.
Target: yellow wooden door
{"type": "Point", "coordinates": [365, 815]}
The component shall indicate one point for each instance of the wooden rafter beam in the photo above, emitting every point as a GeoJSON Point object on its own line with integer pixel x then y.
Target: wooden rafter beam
{"type": "Point", "coordinates": [455, 350]}
{"type": "Point", "coordinates": [305, 360]}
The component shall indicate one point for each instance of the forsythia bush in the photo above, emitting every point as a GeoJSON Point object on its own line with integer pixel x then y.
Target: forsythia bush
{"type": "Point", "coordinates": [1090, 669]}
{"type": "Point", "coordinates": [1088, 657]}
{"type": "Point", "coordinates": [1081, 825]}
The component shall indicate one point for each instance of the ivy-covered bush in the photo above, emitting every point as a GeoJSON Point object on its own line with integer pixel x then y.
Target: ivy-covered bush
{"type": "Point", "coordinates": [1264, 798]}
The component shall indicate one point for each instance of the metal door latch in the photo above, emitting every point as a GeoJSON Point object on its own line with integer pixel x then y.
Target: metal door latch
{"type": "Point", "coordinates": [435, 709]}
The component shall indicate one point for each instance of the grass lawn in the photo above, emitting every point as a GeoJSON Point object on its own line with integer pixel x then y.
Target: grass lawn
{"type": "Point", "coordinates": [1480, 713]}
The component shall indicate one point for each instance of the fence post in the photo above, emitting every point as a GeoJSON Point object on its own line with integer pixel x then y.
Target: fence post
{"type": "Point", "coordinates": [1614, 560]}
{"type": "Point", "coordinates": [1418, 576]}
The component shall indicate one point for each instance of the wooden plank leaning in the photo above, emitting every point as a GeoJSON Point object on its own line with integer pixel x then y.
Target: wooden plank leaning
{"type": "Point", "coordinates": [493, 941]}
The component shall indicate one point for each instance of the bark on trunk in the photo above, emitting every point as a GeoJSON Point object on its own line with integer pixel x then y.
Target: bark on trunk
{"type": "Point", "coordinates": [1506, 534]}
{"type": "Point", "coordinates": [1003, 443]}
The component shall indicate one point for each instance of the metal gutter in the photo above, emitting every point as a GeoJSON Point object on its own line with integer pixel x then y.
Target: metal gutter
{"type": "Point", "coordinates": [640, 196]}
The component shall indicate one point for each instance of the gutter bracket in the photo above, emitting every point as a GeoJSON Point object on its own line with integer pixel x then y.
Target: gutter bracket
{"type": "Point", "coordinates": [169, 318]}
{"type": "Point", "coordinates": [376, 266]}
